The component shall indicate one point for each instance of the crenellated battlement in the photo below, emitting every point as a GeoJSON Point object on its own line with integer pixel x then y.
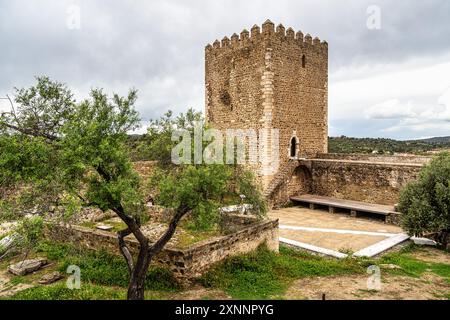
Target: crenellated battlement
{"type": "Point", "coordinates": [266, 34]}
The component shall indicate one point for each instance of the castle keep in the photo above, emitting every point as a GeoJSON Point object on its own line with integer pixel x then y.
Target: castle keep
{"type": "Point", "coordinates": [270, 78]}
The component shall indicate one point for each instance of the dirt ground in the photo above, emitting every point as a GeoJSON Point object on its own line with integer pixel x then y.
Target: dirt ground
{"type": "Point", "coordinates": [200, 293]}
{"type": "Point", "coordinates": [432, 255]}
{"type": "Point", "coordinates": [355, 288]}
{"type": "Point", "coordinates": [428, 286]}
{"type": "Point", "coordinates": [8, 289]}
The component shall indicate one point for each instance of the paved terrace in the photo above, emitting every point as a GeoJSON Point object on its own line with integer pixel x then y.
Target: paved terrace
{"type": "Point", "coordinates": [335, 234]}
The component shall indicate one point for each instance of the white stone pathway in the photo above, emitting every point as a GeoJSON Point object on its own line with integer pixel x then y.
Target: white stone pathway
{"type": "Point", "coordinates": [392, 240]}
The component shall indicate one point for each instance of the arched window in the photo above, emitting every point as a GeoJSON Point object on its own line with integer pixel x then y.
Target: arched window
{"type": "Point", "coordinates": [293, 149]}
{"type": "Point", "coordinates": [303, 61]}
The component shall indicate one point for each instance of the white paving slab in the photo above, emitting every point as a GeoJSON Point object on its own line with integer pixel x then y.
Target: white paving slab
{"type": "Point", "coordinates": [381, 246]}
{"type": "Point", "coordinates": [424, 241]}
{"type": "Point", "coordinates": [310, 247]}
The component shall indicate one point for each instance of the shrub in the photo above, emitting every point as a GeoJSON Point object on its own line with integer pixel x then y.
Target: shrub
{"type": "Point", "coordinates": [425, 203]}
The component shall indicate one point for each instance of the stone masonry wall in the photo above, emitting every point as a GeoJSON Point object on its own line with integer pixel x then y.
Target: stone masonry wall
{"type": "Point", "coordinates": [372, 179]}
{"type": "Point", "coordinates": [400, 159]}
{"type": "Point", "coordinates": [300, 93]}
{"type": "Point", "coordinates": [367, 182]}
{"type": "Point", "coordinates": [184, 263]}
{"type": "Point", "coordinates": [270, 79]}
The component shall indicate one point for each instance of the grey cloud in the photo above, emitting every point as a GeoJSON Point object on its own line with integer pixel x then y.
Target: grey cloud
{"type": "Point", "coordinates": [158, 46]}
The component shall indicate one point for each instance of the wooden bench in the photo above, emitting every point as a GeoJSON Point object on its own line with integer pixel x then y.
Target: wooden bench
{"type": "Point", "coordinates": [353, 206]}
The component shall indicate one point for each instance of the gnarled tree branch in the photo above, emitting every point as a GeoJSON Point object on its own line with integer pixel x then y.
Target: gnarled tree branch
{"type": "Point", "coordinates": [162, 241]}
{"type": "Point", "coordinates": [124, 249]}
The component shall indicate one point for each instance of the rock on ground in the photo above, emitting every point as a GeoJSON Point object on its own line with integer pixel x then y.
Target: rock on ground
{"type": "Point", "coordinates": [51, 277]}
{"type": "Point", "coordinates": [27, 266]}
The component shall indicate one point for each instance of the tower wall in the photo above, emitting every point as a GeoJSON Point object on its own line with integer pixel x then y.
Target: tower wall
{"type": "Point", "coordinates": [260, 80]}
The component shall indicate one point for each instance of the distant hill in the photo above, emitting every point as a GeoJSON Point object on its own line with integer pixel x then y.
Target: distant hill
{"type": "Point", "coordinates": [437, 140]}
{"type": "Point", "coordinates": [340, 144]}
{"type": "Point", "coordinates": [345, 144]}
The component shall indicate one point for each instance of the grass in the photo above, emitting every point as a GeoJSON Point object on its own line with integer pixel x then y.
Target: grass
{"type": "Point", "coordinates": [103, 268]}
{"type": "Point", "coordinates": [103, 276]}
{"type": "Point", "coordinates": [59, 291]}
{"type": "Point", "coordinates": [191, 237]}
{"type": "Point", "coordinates": [18, 280]}
{"type": "Point", "coordinates": [188, 237]}
{"type": "Point", "coordinates": [116, 226]}
{"type": "Point", "coordinates": [264, 274]}
{"type": "Point", "coordinates": [87, 291]}
{"type": "Point", "coordinates": [413, 267]}
{"type": "Point", "coordinates": [89, 225]}
{"type": "Point", "coordinates": [261, 274]}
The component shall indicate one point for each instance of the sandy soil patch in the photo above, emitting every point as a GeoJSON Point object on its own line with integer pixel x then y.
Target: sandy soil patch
{"type": "Point", "coordinates": [200, 293]}
{"type": "Point", "coordinates": [7, 289]}
{"type": "Point", "coordinates": [432, 255]}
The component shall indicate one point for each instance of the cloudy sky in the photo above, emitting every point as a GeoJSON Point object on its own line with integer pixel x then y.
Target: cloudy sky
{"type": "Point", "coordinates": [389, 72]}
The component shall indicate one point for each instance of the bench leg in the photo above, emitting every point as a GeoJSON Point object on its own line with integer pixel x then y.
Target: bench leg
{"type": "Point", "coordinates": [353, 213]}
{"type": "Point", "coordinates": [312, 206]}
{"type": "Point", "coordinates": [331, 210]}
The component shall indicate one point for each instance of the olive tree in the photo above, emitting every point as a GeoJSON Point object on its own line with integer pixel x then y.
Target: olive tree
{"type": "Point", "coordinates": [425, 203]}
{"type": "Point", "coordinates": [59, 153]}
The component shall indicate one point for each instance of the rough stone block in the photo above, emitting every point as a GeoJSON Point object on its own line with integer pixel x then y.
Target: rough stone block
{"type": "Point", "coordinates": [51, 278]}
{"type": "Point", "coordinates": [27, 266]}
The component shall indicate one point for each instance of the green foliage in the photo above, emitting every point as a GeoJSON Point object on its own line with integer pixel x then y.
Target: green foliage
{"type": "Point", "coordinates": [425, 203]}
{"type": "Point", "coordinates": [103, 268]}
{"type": "Point", "coordinates": [157, 143]}
{"type": "Point", "coordinates": [42, 109]}
{"type": "Point", "coordinates": [264, 274]}
{"type": "Point", "coordinates": [55, 251]}
{"type": "Point", "coordinates": [30, 230]}
{"type": "Point", "coordinates": [201, 188]}
{"type": "Point", "coordinates": [95, 139]}
{"type": "Point", "coordinates": [63, 154]}
{"type": "Point", "coordinates": [59, 291]}
{"type": "Point", "coordinates": [384, 146]}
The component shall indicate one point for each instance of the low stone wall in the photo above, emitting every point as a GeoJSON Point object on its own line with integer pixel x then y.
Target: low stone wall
{"type": "Point", "coordinates": [184, 263]}
{"type": "Point", "coordinates": [404, 159]}
{"type": "Point", "coordinates": [368, 182]}
{"type": "Point", "coordinates": [366, 178]}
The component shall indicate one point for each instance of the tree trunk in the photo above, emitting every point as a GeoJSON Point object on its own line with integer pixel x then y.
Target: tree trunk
{"type": "Point", "coordinates": [138, 271]}
{"type": "Point", "coordinates": [442, 238]}
{"type": "Point", "coordinates": [136, 287]}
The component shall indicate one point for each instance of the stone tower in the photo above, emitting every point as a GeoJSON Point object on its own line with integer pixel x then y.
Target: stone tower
{"type": "Point", "coordinates": [270, 79]}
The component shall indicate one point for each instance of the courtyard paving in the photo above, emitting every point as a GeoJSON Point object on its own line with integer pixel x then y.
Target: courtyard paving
{"type": "Point", "coordinates": [337, 232]}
